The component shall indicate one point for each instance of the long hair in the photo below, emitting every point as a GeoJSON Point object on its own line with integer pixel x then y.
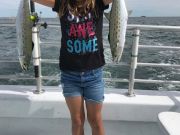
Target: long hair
{"type": "Point", "coordinates": [77, 7]}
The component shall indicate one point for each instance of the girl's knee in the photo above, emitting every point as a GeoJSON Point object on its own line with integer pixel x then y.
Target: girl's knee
{"type": "Point", "coordinates": [95, 121]}
{"type": "Point", "coordinates": [78, 121]}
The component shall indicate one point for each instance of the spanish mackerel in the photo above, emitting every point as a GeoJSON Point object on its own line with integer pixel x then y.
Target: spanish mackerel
{"type": "Point", "coordinates": [24, 34]}
{"type": "Point", "coordinates": [117, 17]}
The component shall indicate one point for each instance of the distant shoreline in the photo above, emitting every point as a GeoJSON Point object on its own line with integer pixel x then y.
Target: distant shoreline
{"type": "Point", "coordinates": [129, 17]}
{"type": "Point", "coordinates": [7, 17]}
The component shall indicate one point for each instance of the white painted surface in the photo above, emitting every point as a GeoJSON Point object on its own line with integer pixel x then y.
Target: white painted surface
{"type": "Point", "coordinates": [144, 107]}
{"type": "Point", "coordinates": [170, 122]}
{"type": "Point", "coordinates": [19, 101]}
{"type": "Point", "coordinates": [59, 126]}
{"type": "Point", "coordinates": [22, 112]}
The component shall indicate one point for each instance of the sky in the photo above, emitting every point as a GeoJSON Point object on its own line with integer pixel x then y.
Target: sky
{"type": "Point", "coordinates": [8, 8]}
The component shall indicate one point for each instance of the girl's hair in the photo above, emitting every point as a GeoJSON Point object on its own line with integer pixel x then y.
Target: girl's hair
{"type": "Point", "coordinates": [77, 7]}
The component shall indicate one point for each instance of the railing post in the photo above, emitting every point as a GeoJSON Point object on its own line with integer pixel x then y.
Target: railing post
{"type": "Point", "coordinates": [37, 59]}
{"type": "Point", "coordinates": [36, 49]}
{"type": "Point", "coordinates": [133, 67]}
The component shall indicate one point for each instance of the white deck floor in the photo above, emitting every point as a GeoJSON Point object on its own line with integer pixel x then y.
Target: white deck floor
{"type": "Point", "coordinates": [22, 112]}
{"type": "Point", "coordinates": [27, 126]}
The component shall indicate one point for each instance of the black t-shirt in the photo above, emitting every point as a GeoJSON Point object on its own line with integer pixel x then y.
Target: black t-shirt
{"type": "Point", "coordinates": [81, 42]}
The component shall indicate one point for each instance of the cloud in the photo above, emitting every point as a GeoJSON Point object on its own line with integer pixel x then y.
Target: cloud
{"type": "Point", "coordinates": [10, 7]}
{"type": "Point", "coordinates": [154, 7]}
{"type": "Point", "coordinates": [139, 7]}
{"type": "Point", "coordinates": [9, 4]}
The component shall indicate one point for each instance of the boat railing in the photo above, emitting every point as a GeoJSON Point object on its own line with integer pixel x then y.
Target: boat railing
{"type": "Point", "coordinates": [134, 57]}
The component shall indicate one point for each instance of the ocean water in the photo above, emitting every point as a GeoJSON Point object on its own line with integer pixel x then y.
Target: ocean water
{"type": "Point", "coordinates": [8, 51]}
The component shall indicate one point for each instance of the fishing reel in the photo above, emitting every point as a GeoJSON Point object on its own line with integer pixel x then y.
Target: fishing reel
{"type": "Point", "coordinates": [35, 18]}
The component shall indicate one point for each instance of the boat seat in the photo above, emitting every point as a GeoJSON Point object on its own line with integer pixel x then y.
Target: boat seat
{"type": "Point", "coordinates": [169, 122]}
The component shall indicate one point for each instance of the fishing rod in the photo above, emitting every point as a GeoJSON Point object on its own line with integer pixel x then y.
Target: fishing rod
{"type": "Point", "coordinates": [36, 48]}
{"type": "Point", "coordinates": [34, 16]}
{"type": "Point", "coordinates": [32, 6]}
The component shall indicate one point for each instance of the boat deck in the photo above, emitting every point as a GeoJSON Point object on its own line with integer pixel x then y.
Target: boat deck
{"type": "Point", "coordinates": [22, 111]}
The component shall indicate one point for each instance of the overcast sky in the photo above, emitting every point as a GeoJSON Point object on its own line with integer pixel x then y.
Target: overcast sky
{"type": "Point", "coordinates": [139, 7]}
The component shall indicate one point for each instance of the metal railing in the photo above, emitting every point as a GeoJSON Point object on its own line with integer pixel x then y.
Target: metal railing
{"type": "Point", "coordinates": [134, 56]}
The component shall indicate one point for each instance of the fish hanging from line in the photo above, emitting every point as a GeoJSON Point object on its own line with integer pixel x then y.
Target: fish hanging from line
{"type": "Point", "coordinates": [24, 34]}
{"type": "Point", "coordinates": [118, 17]}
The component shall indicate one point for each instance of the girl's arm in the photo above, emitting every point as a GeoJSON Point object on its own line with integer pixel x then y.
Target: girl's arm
{"type": "Point", "coordinates": [106, 2]}
{"type": "Point", "coordinates": [49, 3]}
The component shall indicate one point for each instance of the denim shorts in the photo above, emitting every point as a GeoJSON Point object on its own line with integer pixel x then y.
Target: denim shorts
{"type": "Point", "coordinates": [88, 84]}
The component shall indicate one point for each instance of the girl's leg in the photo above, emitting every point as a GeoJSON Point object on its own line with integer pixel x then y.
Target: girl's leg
{"type": "Point", "coordinates": [95, 118]}
{"type": "Point", "coordinates": [76, 108]}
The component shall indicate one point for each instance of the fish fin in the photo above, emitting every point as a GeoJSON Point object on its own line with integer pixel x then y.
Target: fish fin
{"type": "Point", "coordinates": [107, 15]}
{"type": "Point", "coordinates": [24, 67]}
{"type": "Point", "coordinates": [130, 12]}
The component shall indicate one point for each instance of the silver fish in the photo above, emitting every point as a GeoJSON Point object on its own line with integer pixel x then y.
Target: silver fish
{"type": "Point", "coordinates": [118, 17]}
{"type": "Point", "coordinates": [24, 34]}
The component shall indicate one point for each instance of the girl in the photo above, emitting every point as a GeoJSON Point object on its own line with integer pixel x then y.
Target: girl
{"type": "Point", "coordinates": [81, 59]}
